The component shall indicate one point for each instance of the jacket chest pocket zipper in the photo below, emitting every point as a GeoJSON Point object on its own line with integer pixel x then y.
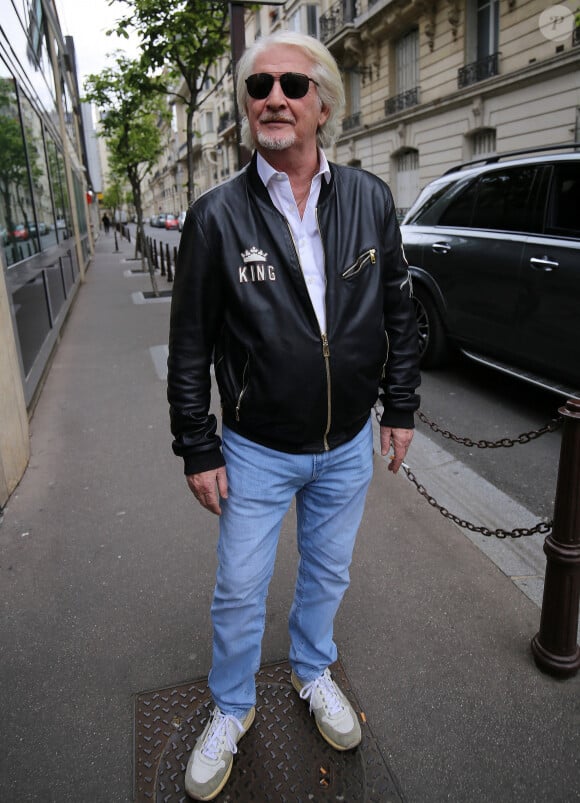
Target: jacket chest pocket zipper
{"type": "Point", "coordinates": [353, 270]}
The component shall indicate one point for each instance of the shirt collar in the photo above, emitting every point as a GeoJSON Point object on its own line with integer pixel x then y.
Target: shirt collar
{"type": "Point", "coordinates": [267, 172]}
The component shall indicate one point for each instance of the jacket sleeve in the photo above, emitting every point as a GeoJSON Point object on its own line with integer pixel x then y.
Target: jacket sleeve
{"type": "Point", "coordinates": [401, 377]}
{"type": "Point", "coordinates": [196, 315]}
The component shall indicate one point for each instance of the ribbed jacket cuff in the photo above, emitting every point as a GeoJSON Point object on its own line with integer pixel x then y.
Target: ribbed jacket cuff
{"type": "Point", "coordinates": [401, 419]}
{"type": "Point", "coordinates": [203, 461]}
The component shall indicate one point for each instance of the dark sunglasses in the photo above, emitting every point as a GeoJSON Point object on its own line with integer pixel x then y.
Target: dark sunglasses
{"type": "Point", "coordinates": [294, 85]}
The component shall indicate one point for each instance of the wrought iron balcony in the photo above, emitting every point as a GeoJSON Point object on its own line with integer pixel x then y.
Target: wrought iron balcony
{"type": "Point", "coordinates": [402, 101]}
{"type": "Point", "coordinates": [478, 71]}
{"type": "Point", "coordinates": [226, 120]}
{"type": "Point", "coordinates": [576, 36]}
{"type": "Point", "coordinates": [338, 15]}
{"type": "Point", "coordinates": [354, 121]}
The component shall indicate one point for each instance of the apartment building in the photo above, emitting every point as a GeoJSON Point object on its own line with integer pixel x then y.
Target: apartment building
{"type": "Point", "coordinates": [429, 84]}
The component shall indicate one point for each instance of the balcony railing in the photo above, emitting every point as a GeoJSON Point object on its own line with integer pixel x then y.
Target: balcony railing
{"type": "Point", "coordinates": [338, 15]}
{"type": "Point", "coordinates": [351, 122]}
{"type": "Point", "coordinates": [478, 71]}
{"type": "Point", "coordinates": [226, 120]}
{"type": "Point", "coordinates": [576, 36]}
{"type": "Point", "coordinates": [402, 101]}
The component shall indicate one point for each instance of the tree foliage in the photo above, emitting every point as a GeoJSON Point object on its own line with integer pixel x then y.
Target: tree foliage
{"type": "Point", "coordinates": [181, 40]}
{"type": "Point", "coordinates": [132, 121]}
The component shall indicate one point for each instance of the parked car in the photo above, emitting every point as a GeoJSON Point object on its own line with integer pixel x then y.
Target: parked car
{"type": "Point", "coordinates": [494, 252]}
{"type": "Point", "coordinates": [43, 228]}
{"type": "Point", "coordinates": [171, 222]}
{"type": "Point", "coordinates": [20, 232]}
{"type": "Point", "coordinates": [181, 220]}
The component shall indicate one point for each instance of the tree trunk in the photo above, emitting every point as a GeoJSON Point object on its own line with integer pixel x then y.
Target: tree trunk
{"type": "Point", "coordinates": [145, 253]}
{"type": "Point", "coordinates": [189, 133]}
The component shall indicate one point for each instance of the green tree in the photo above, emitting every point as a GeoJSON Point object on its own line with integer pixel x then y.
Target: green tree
{"type": "Point", "coordinates": [113, 195]}
{"type": "Point", "coordinates": [182, 39]}
{"type": "Point", "coordinates": [131, 120]}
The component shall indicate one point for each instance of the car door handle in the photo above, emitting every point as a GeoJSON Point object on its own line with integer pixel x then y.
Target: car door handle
{"type": "Point", "coordinates": [441, 248]}
{"type": "Point", "coordinates": [544, 264]}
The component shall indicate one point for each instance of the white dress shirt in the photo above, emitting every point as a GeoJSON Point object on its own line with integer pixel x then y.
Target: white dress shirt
{"type": "Point", "coordinates": [304, 230]}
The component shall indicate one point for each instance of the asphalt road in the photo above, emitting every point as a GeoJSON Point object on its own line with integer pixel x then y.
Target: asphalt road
{"type": "Point", "coordinates": [475, 402]}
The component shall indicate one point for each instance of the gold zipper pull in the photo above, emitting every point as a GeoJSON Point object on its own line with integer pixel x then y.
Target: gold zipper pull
{"type": "Point", "coordinates": [373, 254]}
{"type": "Point", "coordinates": [325, 346]}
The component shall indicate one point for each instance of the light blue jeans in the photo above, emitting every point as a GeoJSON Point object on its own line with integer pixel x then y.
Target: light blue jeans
{"type": "Point", "coordinates": [330, 490]}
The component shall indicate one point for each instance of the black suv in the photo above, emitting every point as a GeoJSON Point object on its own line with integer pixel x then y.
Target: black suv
{"type": "Point", "coordinates": [494, 251]}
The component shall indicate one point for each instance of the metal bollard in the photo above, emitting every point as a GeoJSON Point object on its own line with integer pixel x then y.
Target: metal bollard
{"type": "Point", "coordinates": [155, 260]}
{"type": "Point", "coordinates": [168, 257]}
{"type": "Point", "coordinates": [555, 647]}
{"type": "Point", "coordinates": [162, 258]}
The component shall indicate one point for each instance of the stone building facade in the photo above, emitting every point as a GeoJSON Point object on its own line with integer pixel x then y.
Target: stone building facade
{"type": "Point", "coordinates": [429, 84]}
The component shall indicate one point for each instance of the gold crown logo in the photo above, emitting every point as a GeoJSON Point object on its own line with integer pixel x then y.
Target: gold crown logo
{"type": "Point", "coordinates": [254, 254]}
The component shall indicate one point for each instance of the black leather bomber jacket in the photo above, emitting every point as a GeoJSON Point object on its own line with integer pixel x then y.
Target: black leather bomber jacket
{"type": "Point", "coordinates": [239, 298]}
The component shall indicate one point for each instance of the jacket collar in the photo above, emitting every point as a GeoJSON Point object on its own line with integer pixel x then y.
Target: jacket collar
{"type": "Point", "coordinates": [258, 186]}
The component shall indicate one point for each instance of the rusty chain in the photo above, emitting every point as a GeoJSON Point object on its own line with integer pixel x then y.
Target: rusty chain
{"type": "Point", "coordinates": [543, 527]}
{"type": "Point", "coordinates": [525, 437]}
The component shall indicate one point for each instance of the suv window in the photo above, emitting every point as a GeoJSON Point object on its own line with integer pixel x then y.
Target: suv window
{"type": "Point", "coordinates": [564, 208]}
{"type": "Point", "coordinates": [502, 199]}
{"type": "Point", "coordinates": [427, 208]}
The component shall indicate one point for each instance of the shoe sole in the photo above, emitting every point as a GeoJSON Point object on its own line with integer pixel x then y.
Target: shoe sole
{"type": "Point", "coordinates": [247, 724]}
{"type": "Point", "coordinates": [340, 747]}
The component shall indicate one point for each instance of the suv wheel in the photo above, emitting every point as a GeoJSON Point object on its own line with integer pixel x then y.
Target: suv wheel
{"type": "Point", "coordinates": [432, 341]}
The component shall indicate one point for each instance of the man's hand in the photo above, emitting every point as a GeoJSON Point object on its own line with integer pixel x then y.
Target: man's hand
{"type": "Point", "coordinates": [400, 439]}
{"type": "Point", "coordinates": [208, 487]}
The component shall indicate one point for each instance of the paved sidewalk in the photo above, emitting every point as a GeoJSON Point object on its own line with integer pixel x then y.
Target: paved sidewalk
{"type": "Point", "coordinates": [107, 566]}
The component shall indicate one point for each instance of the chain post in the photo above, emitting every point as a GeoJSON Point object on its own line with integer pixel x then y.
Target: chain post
{"type": "Point", "coordinates": [554, 647]}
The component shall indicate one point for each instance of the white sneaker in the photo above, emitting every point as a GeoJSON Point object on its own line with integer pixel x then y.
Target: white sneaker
{"type": "Point", "coordinates": [211, 760]}
{"type": "Point", "coordinates": [335, 717]}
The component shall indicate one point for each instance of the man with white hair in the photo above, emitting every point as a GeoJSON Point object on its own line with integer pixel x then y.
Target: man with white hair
{"type": "Point", "coordinates": [292, 277]}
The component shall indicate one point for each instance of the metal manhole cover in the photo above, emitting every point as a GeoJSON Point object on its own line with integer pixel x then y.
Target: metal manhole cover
{"type": "Point", "coordinates": [282, 759]}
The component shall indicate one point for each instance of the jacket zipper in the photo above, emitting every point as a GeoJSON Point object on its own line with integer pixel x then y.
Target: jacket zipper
{"type": "Point", "coordinates": [323, 337]}
{"type": "Point", "coordinates": [326, 355]}
{"type": "Point", "coordinates": [370, 255]}
{"type": "Point", "coordinates": [243, 390]}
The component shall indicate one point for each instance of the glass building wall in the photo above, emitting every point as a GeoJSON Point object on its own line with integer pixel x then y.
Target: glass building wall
{"type": "Point", "coordinates": [37, 236]}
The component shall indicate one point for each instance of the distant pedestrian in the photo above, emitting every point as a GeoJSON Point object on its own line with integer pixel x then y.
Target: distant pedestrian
{"type": "Point", "coordinates": [106, 223]}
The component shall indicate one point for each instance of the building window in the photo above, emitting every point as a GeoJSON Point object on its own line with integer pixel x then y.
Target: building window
{"type": "Point", "coordinates": [406, 74]}
{"type": "Point", "coordinates": [407, 61]}
{"type": "Point", "coordinates": [407, 179]}
{"type": "Point", "coordinates": [352, 84]}
{"type": "Point", "coordinates": [312, 20]}
{"type": "Point", "coordinates": [481, 41]}
{"type": "Point", "coordinates": [305, 20]}
{"type": "Point", "coordinates": [487, 28]}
